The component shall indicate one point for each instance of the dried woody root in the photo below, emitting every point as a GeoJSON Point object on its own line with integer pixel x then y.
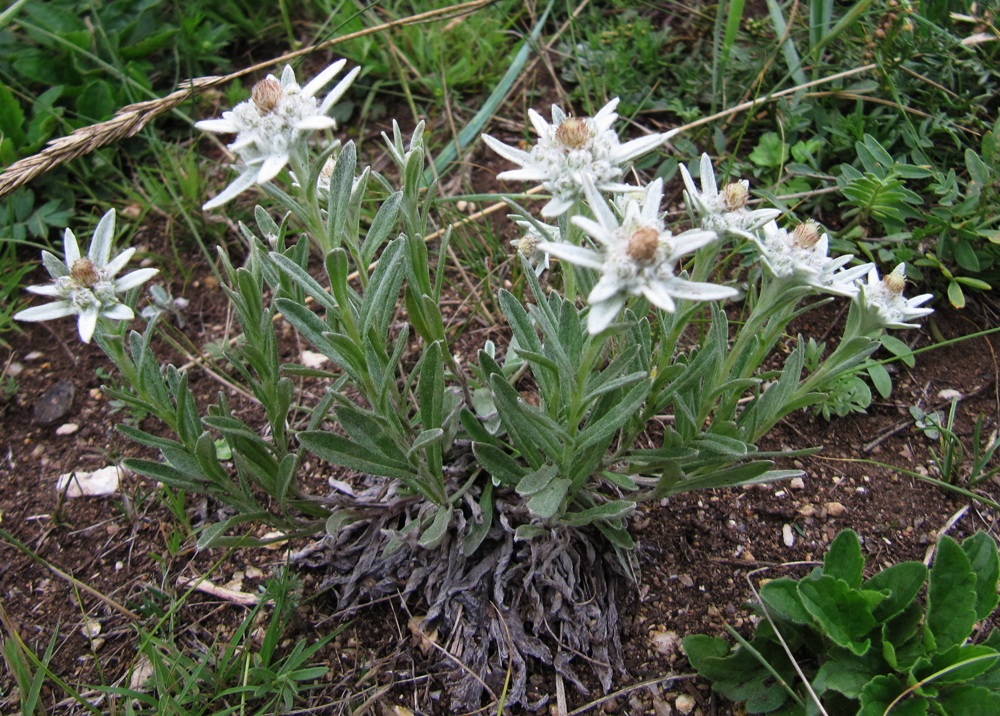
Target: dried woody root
{"type": "Point", "coordinates": [553, 601]}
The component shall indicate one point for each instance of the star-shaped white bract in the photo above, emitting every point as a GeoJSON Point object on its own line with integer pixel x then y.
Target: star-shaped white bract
{"type": "Point", "coordinates": [801, 256]}
{"type": "Point", "coordinates": [638, 257]}
{"type": "Point", "coordinates": [571, 149]}
{"type": "Point", "coordinates": [723, 211]}
{"type": "Point", "coordinates": [273, 123]}
{"type": "Point", "coordinates": [883, 299]}
{"type": "Point", "coordinates": [85, 286]}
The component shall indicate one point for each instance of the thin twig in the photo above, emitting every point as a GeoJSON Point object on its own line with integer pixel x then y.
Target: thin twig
{"type": "Point", "coordinates": [68, 577]}
{"type": "Point", "coordinates": [628, 690]}
{"type": "Point", "coordinates": [952, 521]}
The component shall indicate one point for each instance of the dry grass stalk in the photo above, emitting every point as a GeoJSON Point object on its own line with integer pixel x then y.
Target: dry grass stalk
{"type": "Point", "coordinates": [134, 117]}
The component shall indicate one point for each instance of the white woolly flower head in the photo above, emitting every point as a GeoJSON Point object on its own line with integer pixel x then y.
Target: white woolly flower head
{"type": "Point", "coordinates": [529, 243]}
{"type": "Point", "coordinates": [572, 149]}
{"type": "Point", "coordinates": [85, 286]}
{"type": "Point", "coordinates": [883, 299]}
{"type": "Point", "coordinates": [723, 211]}
{"type": "Point", "coordinates": [801, 255]}
{"type": "Point", "coordinates": [272, 124]}
{"type": "Point", "coordinates": [637, 255]}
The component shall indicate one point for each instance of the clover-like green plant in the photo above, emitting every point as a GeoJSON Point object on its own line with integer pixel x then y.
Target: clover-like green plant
{"type": "Point", "coordinates": [836, 643]}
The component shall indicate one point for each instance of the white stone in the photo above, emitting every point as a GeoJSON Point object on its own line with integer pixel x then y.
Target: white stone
{"type": "Point", "coordinates": [949, 394]}
{"type": "Point", "coordinates": [684, 703]}
{"type": "Point", "coordinates": [313, 360]}
{"type": "Point", "coordinates": [788, 535]}
{"type": "Point", "coordinates": [67, 429]}
{"type": "Point", "coordinates": [34, 355]}
{"type": "Point", "coordinates": [89, 484]}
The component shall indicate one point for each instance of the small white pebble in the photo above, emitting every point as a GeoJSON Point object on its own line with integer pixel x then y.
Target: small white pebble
{"type": "Point", "coordinates": [34, 355]}
{"type": "Point", "coordinates": [67, 429]}
{"type": "Point", "coordinates": [313, 360]}
{"type": "Point", "coordinates": [949, 394]}
{"type": "Point", "coordinates": [15, 369]}
{"type": "Point", "coordinates": [788, 535]}
{"type": "Point", "coordinates": [797, 483]}
{"type": "Point", "coordinates": [684, 703]}
{"type": "Point", "coordinates": [91, 628]}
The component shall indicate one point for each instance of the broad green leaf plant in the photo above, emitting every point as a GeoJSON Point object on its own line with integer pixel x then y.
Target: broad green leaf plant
{"type": "Point", "coordinates": [836, 643]}
{"type": "Point", "coordinates": [632, 331]}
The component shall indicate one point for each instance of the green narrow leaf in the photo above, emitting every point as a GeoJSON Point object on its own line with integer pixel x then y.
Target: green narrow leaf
{"type": "Point", "coordinates": [880, 379]}
{"type": "Point", "coordinates": [546, 502]}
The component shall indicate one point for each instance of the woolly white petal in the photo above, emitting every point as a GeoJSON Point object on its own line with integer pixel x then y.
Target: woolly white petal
{"type": "Point", "coordinates": [605, 289]}
{"type": "Point", "coordinates": [323, 78]}
{"type": "Point", "coordinates": [287, 77]}
{"type": "Point", "coordinates": [527, 174]}
{"type": "Point", "coordinates": [100, 244]}
{"type": "Point", "coordinates": [573, 254]}
{"type": "Point", "coordinates": [518, 156]}
{"type": "Point", "coordinates": [71, 248]}
{"type": "Point", "coordinates": [136, 278]}
{"type": "Point", "coordinates": [54, 265]}
{"type": "Point", "coordinates": [118, 263]}
{"type": "Point", "coordinates": [271, 167]}
{"type": "Point", "coordinates": [48, 289]}
{"type": "Point", "coordinates": [538, 122]}
{"type": "Point", "coordinates": [636, 147]}
{"type": "Point", "coordinates": [595, 231]}
{"type": "Point", "coordinates": [602, 212]}
{"type": "Point", "coordinates": [695, 291]}
{"type": "Point", "coordinates": [334, 95]}
{"type": "Point", "coordinates": [607, 115]}
{"type": "Point", "coordinates": [658, 295]}
{"type": "Point", "coordinates": [239, 185]}
{"type": "Point", "coordinates": [218, 126]}
{"type": "Point", "coordinates": [315, 122]}
{"type": "Point", "coordinates": [118, 312]}
{"type": "Point", "coordinates": [48, 312]}
{"type": "Point", "coordinates": [691, 240]}
{"type": "Point", "coordinates": [709, 186]}
{"type": "Point", "coordinates": [602, 314]}
{"type": "Point", "coordinates": [557, 206]}
{"type": "Point", "coordinates": [86, 323]}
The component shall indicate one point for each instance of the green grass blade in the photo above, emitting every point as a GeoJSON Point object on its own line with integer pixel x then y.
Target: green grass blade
{"type": "Point", "coordinates": [792, 58]}
{"type": "Point", "coordinates": [475, 126]}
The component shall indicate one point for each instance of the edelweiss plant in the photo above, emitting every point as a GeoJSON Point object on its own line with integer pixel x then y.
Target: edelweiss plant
{"type": "Point", "coordinates": [85, 286]}
{"type": "Point", "coordinates": [507, 516]}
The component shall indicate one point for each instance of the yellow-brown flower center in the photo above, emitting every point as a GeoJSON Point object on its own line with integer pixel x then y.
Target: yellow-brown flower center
{"type": "Point", "coordinates": [735, 195]}
{"type": "Point", "coordinates": [806, 235]}
{"type": "Point", "coordinates": [84, 272]}
{"type": "Point", "coordinates": [572, 133]}
{"type": "Point", "coordinates": [266, 94]}
{"type": "Point", "coordinates": [895, 283]}
{"type": "Point", "coordinates": [642, 244]}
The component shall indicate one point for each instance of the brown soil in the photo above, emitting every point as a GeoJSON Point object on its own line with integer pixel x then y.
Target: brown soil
{"type": "Point", "coordinates": [696, 552]}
